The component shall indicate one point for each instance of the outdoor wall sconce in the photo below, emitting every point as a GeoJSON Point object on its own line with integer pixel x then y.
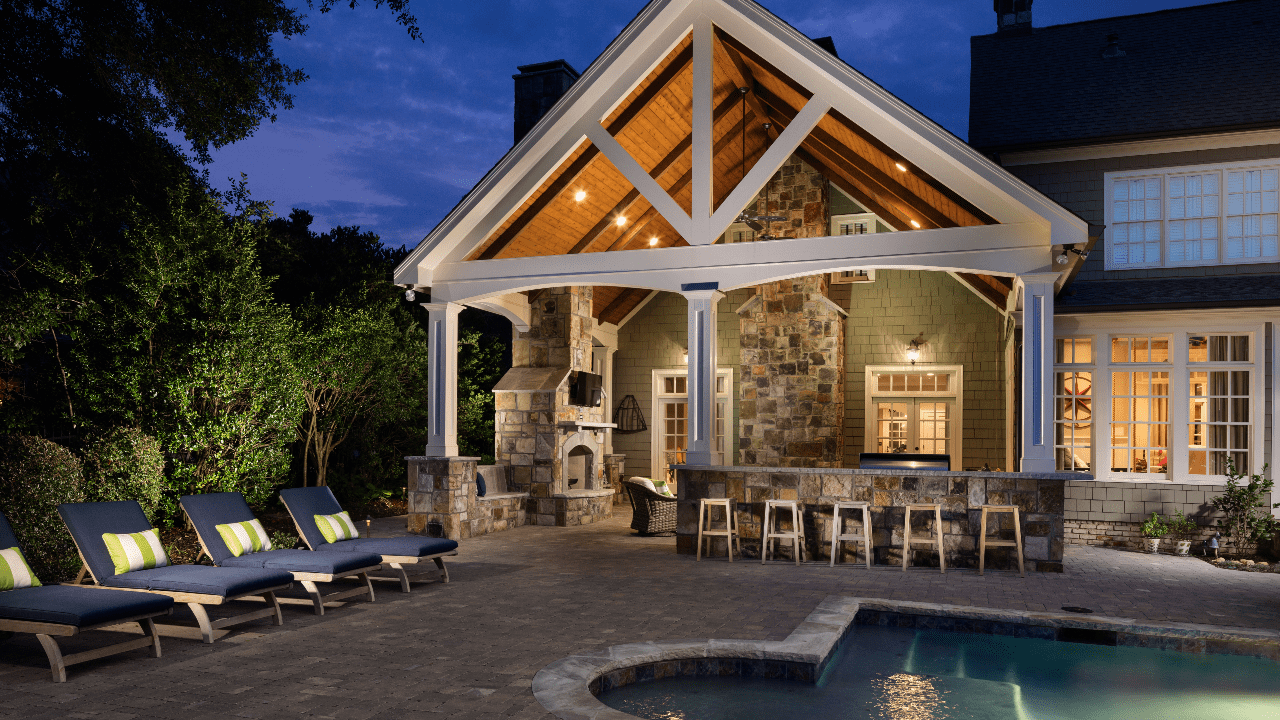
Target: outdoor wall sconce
{"type": "Point", "coordinates": [684, 355]}
{"type": "Point", "coordinates": [1065, 255]}
{"type": "Point", "coordinates": [913, 350]}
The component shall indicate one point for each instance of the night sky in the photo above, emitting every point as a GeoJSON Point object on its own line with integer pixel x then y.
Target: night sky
{"type": "Point", "coordinates": [389, 133]}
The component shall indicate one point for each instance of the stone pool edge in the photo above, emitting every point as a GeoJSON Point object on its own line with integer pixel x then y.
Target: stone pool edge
{"type": "Point", "coordinates": [563, 687]}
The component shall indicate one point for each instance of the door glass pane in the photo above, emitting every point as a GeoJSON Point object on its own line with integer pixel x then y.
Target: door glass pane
{"type": "Point", "coordinates": [935, 427]}
{"type": "Point", "coordinates": [892, 424]}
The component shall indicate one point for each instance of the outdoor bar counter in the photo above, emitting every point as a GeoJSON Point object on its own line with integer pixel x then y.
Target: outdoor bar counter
{"type": "Point", "coordinates": [1039, 497]}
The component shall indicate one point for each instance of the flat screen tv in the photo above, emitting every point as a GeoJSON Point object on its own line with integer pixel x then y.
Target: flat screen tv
{"type": "Point", "coordinates": [584, 390]}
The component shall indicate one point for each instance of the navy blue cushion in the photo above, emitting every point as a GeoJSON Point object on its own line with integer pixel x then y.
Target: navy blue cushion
{"type": "Point", "coordinates": [88, 521]}
{"type": "Point", "coordinates": [306, 561]}
{"type": "Point", "coordinates": [7, 538]}
{"type": "Point", "coordinates": [304, 504]}
{"type": "Point", "coordinates": [221, 581]}
{"type": "Point", "coordinates": [414, 546]}
{"type": "Point", "coordinates": [209, 511]}
{"type": "Point", "coordinates": [79, 606]}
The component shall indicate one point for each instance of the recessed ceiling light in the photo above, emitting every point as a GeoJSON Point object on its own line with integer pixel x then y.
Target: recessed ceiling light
{"type": "Point", "coordinates": [580, 195]}
{"type": "Point", "coordinates": [621, 221]}
{"type": "Point", "coordinates": [915, 224]}
{"type": "Point", "coordinates": [653, 241]}
{"type": "Point", "coordinates": [900, 166]}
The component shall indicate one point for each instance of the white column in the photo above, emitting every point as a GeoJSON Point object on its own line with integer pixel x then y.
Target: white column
{"type": "Point", "coordinates": [442, 383]}
{"type": "Point", "coordinates": [702, 134]}
{"type": "Point", "coordinates": [702, 299]}
{"type": "Point", "coordinates": [606, 370]}
{"type": "Point", "coordinates": [1037, 372]}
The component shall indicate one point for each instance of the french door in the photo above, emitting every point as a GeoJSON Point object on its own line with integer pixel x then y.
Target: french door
{"type": "Point", "coordinates": [914, 425]}
{"type": "Point", "coordinates": [670, 437]}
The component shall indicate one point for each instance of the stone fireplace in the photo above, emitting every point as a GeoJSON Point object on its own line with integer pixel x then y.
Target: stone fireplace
{"type": "Point", "coordinates": [543, 441]}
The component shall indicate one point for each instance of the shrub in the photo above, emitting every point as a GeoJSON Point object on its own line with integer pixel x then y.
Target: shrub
{"type": "Point", "coordinates": [1182, 527]}
{"type": "Point", "coordinates": [1153, 527]}
{"type": "Point", "coordinates": [35, 476]}
{"type": "Point", "coordinates": [1248, 520]}
{"type": "Point", "coordinates": [126, 464]}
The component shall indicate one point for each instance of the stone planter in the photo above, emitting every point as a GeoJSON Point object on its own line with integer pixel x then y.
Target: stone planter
{"type": "Point", "coordinates": [1184, 547]}
{"type": "Point", "coordinates": [1152, 545]}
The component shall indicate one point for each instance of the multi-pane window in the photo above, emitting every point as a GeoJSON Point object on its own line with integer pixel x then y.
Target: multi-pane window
{"type": "Point", "coordinates": [1135, 217]}
{"type": "Point", "coordinates": [1219, 424]}
{"type": "Point", "coordinates": [913, 382]}
{"type": "Point", "coordinates": [1193, 218]}
{"type": "Point", "coordinates": [1251, 214]}
{"type": "Point", "coordinates": [1140, 422]}
{"type": "Point", "coordinates": [1140, 349]}
{"type": "Point", "coordinates": [1073, 405]}
{"type": "Point", "coordinates": [854, 228]}
{"type": "Point", "coordinates": [670, 435]}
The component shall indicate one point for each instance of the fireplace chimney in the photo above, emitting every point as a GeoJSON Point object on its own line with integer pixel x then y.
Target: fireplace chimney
{"type": "Point", "coordinates": [538, 86]}
{"type": "Point", "coordinates": [1013, 17]}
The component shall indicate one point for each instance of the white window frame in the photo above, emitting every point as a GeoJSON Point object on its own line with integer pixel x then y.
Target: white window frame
{"type": "Point", "coordinates": [657, 462]}
{"type": "Point", "coordinates": [955, 393]}
{"type": "Point", "coordinates": [1163, 175]}
{"type": "Point", "coordinates": [1178, 327]}
{"type": "Point", "coordinates": [1090, 367]}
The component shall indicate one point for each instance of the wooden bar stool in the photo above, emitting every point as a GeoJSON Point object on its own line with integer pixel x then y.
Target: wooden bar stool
{"type": "Point", "coordinates": [771, 507]}
{"type": "Point", "coordinates": [937, 534]}
{"type": "Point", "coordinates": [837, 529]}
{"type": "Point", "coordinates": [984, 543]}
{"type": "Point", "coordinates": [730, 531]}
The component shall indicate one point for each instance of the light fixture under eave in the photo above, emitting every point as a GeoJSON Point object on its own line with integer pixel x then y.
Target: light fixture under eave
{"type": "Point", "coordinates": [915, 224]}
{"type": "Point", "coordinates": [621, 221]}
{"type": "Point", "coordinates": [900, 166]}
{"type": "Point", "coordinates": [653, 242]}
{"type": "Point", "coordinates": [913, 351]}
{"type": "Point", "coordinates": [580, 195]}
{"type": "Point", "coordinates": [1067, 250]}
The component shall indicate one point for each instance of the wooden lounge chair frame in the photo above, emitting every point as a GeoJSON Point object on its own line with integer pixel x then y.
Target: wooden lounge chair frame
{"type": "Point", "coordinates": [47, 633]}
{"type": "Point", "coordinates": [197, 601]}
{"type": "Point", "coordinates": [395, 563]}
{"type": "Point", "coordinates": [309, 580]}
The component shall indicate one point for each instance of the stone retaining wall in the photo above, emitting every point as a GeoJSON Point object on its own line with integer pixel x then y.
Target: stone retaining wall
{"type": "Point", "coordinates": [443, 502]}
{"type": "Point", "coordinates": [1039, 497]}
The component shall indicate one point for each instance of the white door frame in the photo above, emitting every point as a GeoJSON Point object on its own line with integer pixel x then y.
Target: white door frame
{"type": "Point", "coordinates": [655, 430]}
{"type": "Point", "coordinates": [955, 393]}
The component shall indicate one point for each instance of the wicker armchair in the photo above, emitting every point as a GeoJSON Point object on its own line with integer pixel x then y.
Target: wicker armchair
{"type": "Point", "coordinates": [652, 514]}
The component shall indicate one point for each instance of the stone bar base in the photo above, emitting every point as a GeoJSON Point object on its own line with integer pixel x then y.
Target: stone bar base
{"type": "Point", "coordinates": [576, 507]}
{"type": "Point", "coordinates": [1039, 497]}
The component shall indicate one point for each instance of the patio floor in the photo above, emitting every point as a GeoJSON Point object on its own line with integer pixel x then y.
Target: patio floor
{"type": "Point", "coordinates": [521, 599]}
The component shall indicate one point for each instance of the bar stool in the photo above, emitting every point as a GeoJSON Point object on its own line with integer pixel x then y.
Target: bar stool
{"type": "Point", "coordinates": [771, 507]}
{"type": "Point", "coordinates": [937, 533]}
{"type": "Point", "coordinates": [837, 529]}
{"type": "Point", "coordinates": [984, 543]}
{"type": "Point", "coordinates": [729, 533]}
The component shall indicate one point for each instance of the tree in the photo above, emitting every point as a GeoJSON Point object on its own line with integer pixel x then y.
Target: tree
{"type": "Point", "coordinates": [479, 369]}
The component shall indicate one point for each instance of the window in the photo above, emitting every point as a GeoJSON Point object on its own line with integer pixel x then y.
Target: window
{"type": "Point", "coordinates": [914, 410]}
{"type": "Point", "coordinates": [1139, 350]}
{"type": "Point", "coordinates": [1073, 405]}
{"type": "Point", "coordinates": [1219, 421]}
{"type": "Point", "coordinates": [1207, 215]}
{"type": "Point", "coordinates": [854, 228]}
{"type": "Point", "coordinates": [853, 276]}
{"type": "Point", "coordinates": [1139, 422]}
{"type": "Point", "coordinates": [670, 434]}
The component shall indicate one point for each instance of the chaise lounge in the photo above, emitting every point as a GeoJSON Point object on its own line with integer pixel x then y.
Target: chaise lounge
{"type": "Point", "coordinates": [195, 585]}
{"type": "Point", "coordinates": [53, 611]}
{"type": "Point", "coordinates": [214, 514]}
{"type": "Point", "coordinates": [307, 503]}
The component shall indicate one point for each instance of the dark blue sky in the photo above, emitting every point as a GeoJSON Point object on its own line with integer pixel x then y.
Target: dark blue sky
{"type": "Point", "coordinates": [389, 133]}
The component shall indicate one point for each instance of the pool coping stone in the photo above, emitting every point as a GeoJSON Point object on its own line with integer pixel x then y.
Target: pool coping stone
{"type": "Point", "coordinates": [567, 687]}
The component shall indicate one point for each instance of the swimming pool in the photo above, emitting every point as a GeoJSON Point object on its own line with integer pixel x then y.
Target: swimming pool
{"type": "Point", "coordinates": [922, 674]}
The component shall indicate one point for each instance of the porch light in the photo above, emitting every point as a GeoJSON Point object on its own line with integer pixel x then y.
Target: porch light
{"type": "Point", "coordinates": [622, 220]}
{"type": "Point", "coordinates": [913, 351]}
{"type": "Point", "coordinates": [653, 242]}
{"type": "Point", "coordinates": [580, 195]}
{"type": "Point", "coordinates": [915, 224]}
{"type": "Point", "coordinates": [900, 166]}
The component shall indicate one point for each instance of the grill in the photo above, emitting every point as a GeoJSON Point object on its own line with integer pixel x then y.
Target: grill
{"type": "Point", "coordinates": [903, 461]}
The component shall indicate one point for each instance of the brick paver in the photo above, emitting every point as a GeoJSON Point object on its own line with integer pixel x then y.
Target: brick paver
{"type": "Point", "coordinates": [520, 599]}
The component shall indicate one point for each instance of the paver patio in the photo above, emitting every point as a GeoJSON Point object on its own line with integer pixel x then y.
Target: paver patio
{"type": "Point", "coordinates": [521, 599]}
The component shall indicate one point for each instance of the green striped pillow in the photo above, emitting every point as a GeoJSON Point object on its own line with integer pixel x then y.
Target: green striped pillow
{"type": "Point", "coordinates": [14, 572]}
{"type": "Point", "coordinates": [135, 551]}
{"type": "Point", "coordinates": [245, 537]}
{"type": "Point", "coordinates": [661, 487]}
{"type": "Point", "coordinates": [337, 527]}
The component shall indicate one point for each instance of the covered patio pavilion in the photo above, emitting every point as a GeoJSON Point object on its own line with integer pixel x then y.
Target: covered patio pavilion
{"type": "Point", "coordinates": [629, 184]}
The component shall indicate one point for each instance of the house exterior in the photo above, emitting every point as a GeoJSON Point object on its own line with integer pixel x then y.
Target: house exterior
{"type": "Point", "coordinates": [1165, 334]}
{"type": "Point", "coordinates": [783, 267]}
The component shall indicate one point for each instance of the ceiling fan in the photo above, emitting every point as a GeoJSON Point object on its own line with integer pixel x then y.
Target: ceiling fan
{"type": "Point", "coordinates": [752, 221]}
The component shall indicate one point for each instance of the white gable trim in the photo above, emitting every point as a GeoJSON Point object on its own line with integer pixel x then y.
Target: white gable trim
{"type": "Point", "coordinates": [627, 62]}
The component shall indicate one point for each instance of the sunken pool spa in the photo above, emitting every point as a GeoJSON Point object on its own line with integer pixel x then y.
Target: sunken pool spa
{"type": "Point", "coordinates": [855, 658]}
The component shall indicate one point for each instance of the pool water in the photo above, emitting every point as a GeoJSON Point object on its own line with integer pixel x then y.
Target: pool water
{"type": "Point", "coordinates": [908, 674]}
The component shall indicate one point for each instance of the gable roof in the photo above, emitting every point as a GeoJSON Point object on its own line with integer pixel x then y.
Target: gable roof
{"type": "Point", "coordinates": [1185, 71]}
{"type": "Point", "coordinates": [637, 138]}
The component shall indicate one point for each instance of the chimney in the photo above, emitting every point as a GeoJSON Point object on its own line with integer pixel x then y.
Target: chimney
{"type": "Point", "coordinates": [1013, 16]}
{"type": "Point", "coordinates": [826, 43]}
{"type": "Point", "coordinates": [538, 86]}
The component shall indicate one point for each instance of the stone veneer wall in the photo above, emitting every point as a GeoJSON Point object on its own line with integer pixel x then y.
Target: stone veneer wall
{"type": "Point", "coordinates": [526, 437]}
{"type": "Point", "coordinates": [1039, 496]}
{"type": "Point", "coordinates": [791, 388]}
{"type": "Point", "coordinates": [443, 491]}
{"type": "Point", "coordinates": [959, 329]}
{"type": "Point", "coordinates": [1110, 514]}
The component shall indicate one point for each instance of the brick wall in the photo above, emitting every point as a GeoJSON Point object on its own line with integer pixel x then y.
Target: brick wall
{"type": "Point", "coordinates": [959, 328]}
